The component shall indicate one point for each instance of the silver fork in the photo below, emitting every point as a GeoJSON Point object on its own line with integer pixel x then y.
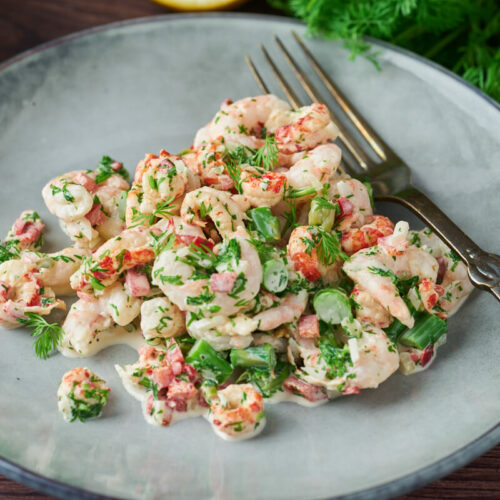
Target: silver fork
{"type": "Point", "coordinates": [390, 177]}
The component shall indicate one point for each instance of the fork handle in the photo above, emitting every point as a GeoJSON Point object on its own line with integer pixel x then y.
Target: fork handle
{"type": "Point", "coordinates": [483, 267]}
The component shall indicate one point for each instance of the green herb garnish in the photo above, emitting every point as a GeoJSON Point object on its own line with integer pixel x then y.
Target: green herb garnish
{"type": "Point", "coordinates": [46, 335]}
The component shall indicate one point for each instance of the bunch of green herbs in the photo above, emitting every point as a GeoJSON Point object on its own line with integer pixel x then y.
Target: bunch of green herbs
{"type": "Point", "coordinates": [462, 35]}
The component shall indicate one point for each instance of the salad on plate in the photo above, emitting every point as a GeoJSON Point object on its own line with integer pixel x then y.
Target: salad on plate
{"type": "Point", "coordinates": [248, 269]}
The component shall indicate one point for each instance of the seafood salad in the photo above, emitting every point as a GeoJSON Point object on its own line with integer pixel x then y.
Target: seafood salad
{"type": "Point", "coordinates": [248, 269]}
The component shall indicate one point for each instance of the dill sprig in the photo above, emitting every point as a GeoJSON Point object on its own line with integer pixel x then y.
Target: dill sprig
{"type": "Point", "coordinates": [328, 246]}
{"type": "Point", "coordinates": [163, 209]}
{"type": "Point", "coordinates": [266, 156]}
{"type": "Point", "coordinates": [234, 171]}
{"type": "Point", "coordinates": [46, 335]}
{"type": "Point", "coordinates": [324, 204]}
{"type": "Point", "coordinates": [462, 35]}
{"type": "Point", "coordinates": [263, 159]}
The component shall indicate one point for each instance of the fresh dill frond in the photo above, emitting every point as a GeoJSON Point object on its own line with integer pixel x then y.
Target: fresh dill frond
{"type": "Point", "coordinates": [328, 246]}
{"type": "Point", "coordinates": [163, 209]}
{"type": "Point", "coordinates": [263, 159]}
{"type": "Point", "coordinates": [46, 335]}
{"type": "Point", "coordinates": [234, 171]}
{"type": "Point", "coordinates": [463, 36]}
{"type": "Point", "coordinates": [162, 242]}
{"type": "Point", "coordinates": [323, 204]}
{"type": "Point", "coordinates": [266, 156]}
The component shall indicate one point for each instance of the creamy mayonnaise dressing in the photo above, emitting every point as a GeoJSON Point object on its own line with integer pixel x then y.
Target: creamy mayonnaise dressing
{"type": "Point", "coordinates": [238, 437]}
{"type": "Point", "coordinates": [111, 336]}
{"type": "Point", "coordinates": [289, 397]}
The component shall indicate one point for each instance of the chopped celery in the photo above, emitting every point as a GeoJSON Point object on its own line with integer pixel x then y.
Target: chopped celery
{"type": "Point", "coordinates": [268, 382]}
{"type": "Point", "coordinates": [332, 305]}
{"type": "Point", "coordinates": [275, 276]}
{"type": "Point", "coordinates": [209, 362]}
{"type": "Point", "coordinates": [266, 224]}
{"type": "Point", "coordinates": [395, 330]}
{"type": "Point", "coordinates": [322, 213]}
{"type": "Point", "coordinates": [262, 356]}
{"type": "Point", "coordinates": [427, 330]}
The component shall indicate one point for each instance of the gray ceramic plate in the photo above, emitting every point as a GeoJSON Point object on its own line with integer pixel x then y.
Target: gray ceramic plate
{"type": "Point", "coordinates": [127, 89]}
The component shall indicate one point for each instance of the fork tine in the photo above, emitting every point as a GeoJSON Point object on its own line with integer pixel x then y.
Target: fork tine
{"type": "Point", "coordinates": [345, 137]}
{"type": "Point", "coordinates": [302, 77]}
{"type": "Point", "coordinates": [371, 137]}
{"type": "Point", "coordinates": [256, 75]}
{"type": "Point", "coordinates": [290, 94]}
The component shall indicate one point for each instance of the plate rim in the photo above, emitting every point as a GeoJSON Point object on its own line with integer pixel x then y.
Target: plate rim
{"type": "Point", "coordinates": [401, 485]}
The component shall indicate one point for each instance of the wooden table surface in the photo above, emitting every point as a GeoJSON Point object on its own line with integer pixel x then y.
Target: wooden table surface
{"type": "Point", "coordinates": [26, 23]}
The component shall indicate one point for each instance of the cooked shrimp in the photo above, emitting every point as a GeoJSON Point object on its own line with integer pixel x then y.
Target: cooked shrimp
{"type": "Point", "coordinates": [264, 190]}
{"type": "Point", "coordinates": [26, 232]}
{"type": "Point", "coordinates": [369, 358]}
{"type": "Point", "coordinates": [302, 249]}
{"type": "Point", "coordinates": [302, 252]}
{"type": "Point", "coordinates": [67, 199]}
{"type": "Point", "coordinates": [211, 159]}
{"type": "Point", "coordinates": [368, 310]}
{"type": "Point", "coordinates": [377, 226]}
{"type": "Point", "coordinates": [88, 325]}
{"type": "Point", "coordinates": [307, 127]}
{"type": "Point", "coordinates": [57, 268]}
{"type": "Point", "coordinates": [22, 291]}
{"type": "Point", "coordinates": [130, 248]}
{"type": "Point", "coordinates": [223, 332]}
{"type": "Point", "coordinates": [234, 283]}
{"type": "Point", "coordinates": [372, 269]}
{"type": "Point", "coordinates": [81, 233]}
{"type": "Point", "coordinates": [161, 319]}
{"type": "Point", "coordinates": [289, 310]}
{"type": "Point", "coordinates": [225, 214]}
{"type": "Point", "coordinates": [105, 215]}
{"type": "Point", "coordinates": [211, 166]}
{"type": "Point", "coordinates": [456, 283]}
{"type": "Point", "coordinates": [363, 269]}
{"type": "Point", "coordinates": [174, 381]}
{"type": "Point", "coordinates": [430, 293]}
{"type": "Point", "coordinates": [244, 117]}
{"type": "Point", "coordinates": [354, 201]}
{"type": "Point", "coordinates": [452, 276]}
{"type": "Point", "coordinates": [237, 412]}
{"type": "Point", "coordinates": [81, 395]}
{"type": "Point", "coordinates": [397, 242]}
{"type": "Point", "coordinates": [87, 208]}
{"type": "Point", "coordinates": [316, 168]}
{"type": "Point", "coordinates": [157, 179]}
{"type": "Point", "coordinates": [374, 358]}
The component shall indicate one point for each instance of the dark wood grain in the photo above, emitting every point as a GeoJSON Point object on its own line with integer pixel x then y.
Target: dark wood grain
{"type": "Point", "coordinates": [26, 23]}
{"type": "Point", "coordinates": [480, 479]}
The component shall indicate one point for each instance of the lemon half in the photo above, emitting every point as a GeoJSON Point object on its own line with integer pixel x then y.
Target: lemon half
{"type": "Point", "coordinates": [197, 5]}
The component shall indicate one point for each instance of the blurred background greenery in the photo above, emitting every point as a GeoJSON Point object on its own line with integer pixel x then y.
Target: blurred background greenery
{"type": "Point", "coordinates": [462, 35]}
